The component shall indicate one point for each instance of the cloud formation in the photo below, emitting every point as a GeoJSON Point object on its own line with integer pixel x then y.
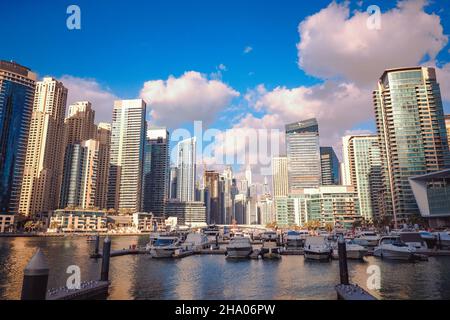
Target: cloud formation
{"type": "Point", "coordinates": [83, 89]}
{"type": "Point", "coordinates": [189, 98]}
{"type": "Point", "coordinates": [337, 45]}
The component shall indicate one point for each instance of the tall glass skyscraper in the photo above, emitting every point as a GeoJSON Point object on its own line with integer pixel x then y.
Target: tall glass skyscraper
{"type": "Point", "coordinates": [330, 166]}
{"type": "Point", "coordinates": [127, 155]}
{"type": "Point", "coordinates": [362, 163]}
{"type": "Point", "coordinates": [186, 164]}
{"type": "Point", "coordinates": [17, 85]}
{"type": "Point", "coordinates": [411, 130]}
{"type": "Point", "coordinates": [156, 171]}
{"type": "Point", "coordinates": [303, 153]}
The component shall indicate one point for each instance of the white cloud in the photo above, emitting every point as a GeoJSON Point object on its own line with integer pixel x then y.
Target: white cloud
{"type": "Point", "coordinates": [188, 98]}
{"type": "Point", "coordinates": [83, 89]}
{"type": "Point", "coordinates": [335, 44]}
{"type": "Point", "coordinates": [248, 49]}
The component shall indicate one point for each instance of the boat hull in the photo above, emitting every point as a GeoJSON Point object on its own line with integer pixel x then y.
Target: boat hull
{"type": "Point", "coordinates": [295, 243]}
{"type": "Point", "coordinates": [393, 255]}
{"type": "Point", "coordinates": [351, 254]}
{"type": "Point", "coordinates": [314, 255]}
{"type": "Point", "coordinates": [162, 253]}
{"type": "Point", "coordinates": [238, 253]}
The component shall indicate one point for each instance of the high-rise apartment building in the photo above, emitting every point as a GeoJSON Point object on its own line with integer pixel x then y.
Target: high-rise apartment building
{"type": "Point", "coordinates": [104, 146]}
{"type": "Point", "coordinates": [362, 162]}
{"type": "Point", "coordinates": [447, 125]}
{"type": "Point", "coordinates": [303, 153]}
{"type": "Point", "coordinates": [42, 178]}
{"type": "Point", "coordinates": [330, 166]}
{"type": "Point", "coordinates": [156, 171]}
{"type": "Point", "coordinates": [80, 124]}
{"type": "Point", "coordinates": [280, 176]}
{"type": "Point", "coordinates": [186, 164]}
{"type": "Point", "coordinates": [212, 183]}
{"type": "Point", "coordinates": [127, 155]}
{"type": "Point", "coordinates": [411, 129]}
{"type": "Point", "coordinates": [17, 86]}
{"type": "Point", "coordinates": [79, 184]}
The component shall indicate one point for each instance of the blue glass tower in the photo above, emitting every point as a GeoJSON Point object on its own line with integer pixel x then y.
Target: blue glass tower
{"type": "Point", "coordinates": [17, 85]}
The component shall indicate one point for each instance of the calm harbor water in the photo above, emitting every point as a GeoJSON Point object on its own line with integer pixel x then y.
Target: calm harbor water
{"type": "Point", "coordinates": [213, 277]}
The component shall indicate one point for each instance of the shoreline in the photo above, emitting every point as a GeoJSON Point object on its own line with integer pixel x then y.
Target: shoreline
{"type": "Point", "coordinates": [69, 235]}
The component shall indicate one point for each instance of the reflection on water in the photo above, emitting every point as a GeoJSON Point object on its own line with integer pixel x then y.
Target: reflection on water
{"type": "Point", "coordinates": [214, 277]}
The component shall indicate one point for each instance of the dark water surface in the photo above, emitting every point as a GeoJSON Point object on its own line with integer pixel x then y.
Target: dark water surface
{"type": "Point", "coordinates": [213, 277]}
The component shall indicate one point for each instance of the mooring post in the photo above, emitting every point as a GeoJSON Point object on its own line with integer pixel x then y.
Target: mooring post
{"type": "Point", "coordinates": [343, 268]}
{"type": "Point", "coordinates": [105, 260]}
{"type": "Point", "coordinates": [97, 245]}
{"type": "Point", "coordinates": [217, 240]}
{"type": "Point", "coordinates": [35, 278]}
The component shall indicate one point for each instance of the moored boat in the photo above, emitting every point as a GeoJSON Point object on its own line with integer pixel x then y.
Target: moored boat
{"type": "Point", "coordinates": [239, 247]}
{"type": "Point", "coordinates": [317, 248]}
{"type": "Point", "coordinates": [270, 249]}
{"type": "Point", "coordinates": [391, 247]}
{"type": "Point", "coordinates": [354, 251]}
{"type": "Point", "coordinates": [164, 246]}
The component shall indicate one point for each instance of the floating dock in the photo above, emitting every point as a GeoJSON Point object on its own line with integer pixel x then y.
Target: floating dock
{"type": "Point", "coordinates": [353, 292]}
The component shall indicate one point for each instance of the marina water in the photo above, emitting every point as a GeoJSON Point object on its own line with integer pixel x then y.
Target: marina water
{"type": "Point", "coordinates": [213, 276]}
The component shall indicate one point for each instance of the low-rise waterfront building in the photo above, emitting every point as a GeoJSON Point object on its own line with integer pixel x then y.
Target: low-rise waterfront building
{"type": "Point", "coordinates": [143, 221]}
{"type": "Point", "coordinates": [78, 220]}
{"type": "Point", "coordinates": [335, 205]}
{"type": "Point", "coordinates": [432, 193]}
{"type": "Point", "coordinates": [191, 213]}
{"type": "Point", "coordinates": [6, 223]}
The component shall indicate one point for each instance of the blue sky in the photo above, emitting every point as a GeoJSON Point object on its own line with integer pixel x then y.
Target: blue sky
{"type": "Point", "coordinates": [123, 44]}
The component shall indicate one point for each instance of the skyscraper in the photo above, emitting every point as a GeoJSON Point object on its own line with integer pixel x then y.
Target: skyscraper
{"type": "Point", "coordinates": [186, 164]}
{"type": "Point", "coordinates": [303, 153]}
{"type": "Point", "coordinates": [211, 182]}
{"type": "Point", "coordinates": [17, 85]}
{"type": "Point", "coordinates": [80, 175]}
{"type": "Point", "coordinates": [127, 155]}
{"type": "Point", "coordinates": [42, 178]}
{"type": "Point", "coordinates": [330, 166]}
{"type": "Point", "coordinates": [156, 171]}
{"type": "Point", "coordinates": [362, 161]}
{"type": "Point", "coordinates": [280, 176]}
{"type": "Point", "coordinates": [173, 183]}
{"type": "Point", "coordinates": [447, 125]}
{"type": "Point", "coordinates": [104, 146]}
{"type": "Point", "coordinates": [411, 130]}
{"type": "Point", "coordinates": [80, 124]}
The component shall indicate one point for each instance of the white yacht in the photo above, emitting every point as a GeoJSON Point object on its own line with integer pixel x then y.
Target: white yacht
{"type": "Point", "coordinates": [164, 246]}
{"type": "Point", "coordinates": [270, 249]}
{"type": "Point", "coordinates": [239, 247]}
{"type": "Point", "coordinates": [371, 237]}
{"type": "Point", "coordinates": [414, 240]}
{"type": "Point", "coordinates": [212, 232]}
{"type": "Point", "coordinates": [391, 247]}
{"type": "Point", "coordinates": [354, 251]}
{"type": "Point", "coordinates": [317, 248]}
{"type": "Point", "coordinates": [443, 239]}
{"type": "Point", "coordinates": [195, 241]}
{"type": "Point", "coordinates": [296, 239]}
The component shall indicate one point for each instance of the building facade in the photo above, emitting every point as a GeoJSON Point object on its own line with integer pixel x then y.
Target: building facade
{"type": "Point", "coordinates": [362, 161]}
{"type": "Point", "coordinates": [330, 166]}
{"type": "Point", "coordinates": [186, 170]}
{"type": "Point", "coordinates": [280, 176]}
{"type": "Point", "coordinates": [17, 87]}
{"type": "Point", "coordinates": [104, 147]}
{"type": "Point", "coordinates": [78, 221]}
{"type": "Point", "coordinates": [126, 155]}
{"type": "Point", "coordinates": [156, 171]}
{"type": "Point", "coordinates": [45, 151]}
{"type": "Point", "coordinates": [303, 153]}
{"type": "Point", "coordinates": [192, 213]}
{"type": "Point", "coordinates": [412, 134]}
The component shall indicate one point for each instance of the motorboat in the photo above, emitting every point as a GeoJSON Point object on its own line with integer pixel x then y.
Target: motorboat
{"type": "Point", "coordinates": [391, 247]}
{"type": "Point", "coordinates": [164, 246]}
{"type": "Point", "coordinates": [270, 248]}
{"type": "Point", "coordinates": [239, 247]}
{"type": "Point", "coordinates": [443, 240]}
{"type": "Point", "coordinates": [212, 232]}
{"type": "Point", "coordinates": [296, 239]}
{"type": "Point", "coordinates": [429, 238]}
{"type": "Point", "coordinates": [414, 240]}
{"type": "Point", "coordinates": [317, 248]}
{"type": "Point", "coordinates": [371, 237]}
{"type": "Point", "coordinates": [354, 251]}
{"type": "Point", "coordinates": [195, 242]}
